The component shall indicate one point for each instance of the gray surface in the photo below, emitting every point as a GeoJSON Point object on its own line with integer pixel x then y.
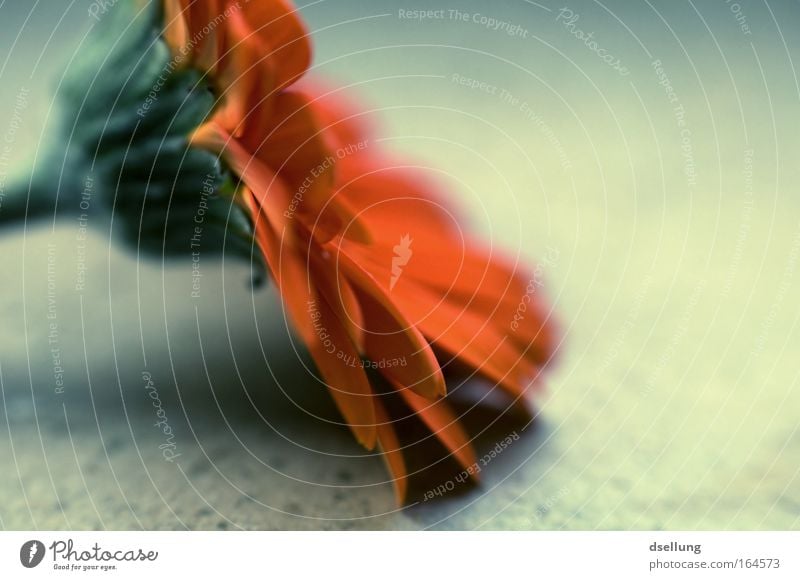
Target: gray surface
{"type": "Point", "coordinates": [674, 404]}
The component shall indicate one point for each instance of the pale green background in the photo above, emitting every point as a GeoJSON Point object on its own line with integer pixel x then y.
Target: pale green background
{"type": "Point", "coordinates": [675, 403]}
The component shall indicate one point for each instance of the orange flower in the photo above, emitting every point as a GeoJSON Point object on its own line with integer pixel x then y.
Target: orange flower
{"type": "Point", "coordinates": [368, 259]}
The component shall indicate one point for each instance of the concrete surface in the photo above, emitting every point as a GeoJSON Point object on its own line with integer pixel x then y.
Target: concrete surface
{"type": "Point", "coordinates": [675, 404]}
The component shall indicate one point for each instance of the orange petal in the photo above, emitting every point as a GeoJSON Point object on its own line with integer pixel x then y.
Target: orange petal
{"type": "Point", "coordinates": [345, 124]}
{"type": "Point", "coordinates": [384, 190]}
{"type": "Point", "coordinates": [472, 281]}
{"type": "Point", "coordinates": [341, 295]}
{"type": "Point", "coordinates": [291, 147]}
{"type": "Point", "coordinates": [288, 269]}
{"type": "Point", "coordinates": [280, 35]}
{"type": "Point", "coordinates": [392, 453]}
{"type": "Point", "coordinates": [440, 419]}
{"type": "Point", "coordinates": [321, 329]}
{"type": "Point", "coordinates": [273, 195]}
{"type": "Point", "coordinates": [394, 203]}
{"type": "Point", "coordinates": [290, 143]}
{"type": "Point", "coordinates": [340, 364]}
{"type": "Point", "coordinates": [471, 338]}
{"type": "Point", "coordinates": [246, 83]}
{"type": "Point", "coordinates": [389, 335]}
{"type": "Point", "coordinates": [269, 191]}
{"type": "Point", "coordinates": [192, 28]}
{"type": "Point", "coordinates": [211, 136]}
{"type": "Point", "coordinates": [176, 30]}
{"type": "Point", "coordinates": [479, 343]}
{"type": "Point", "coordinates": [206, 23]}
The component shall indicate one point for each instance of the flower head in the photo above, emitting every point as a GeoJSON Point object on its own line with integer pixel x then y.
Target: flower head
{"type": "Point", "coordinates": [368, 257]}
{"type": "Point", "coordinates": [377, 276]}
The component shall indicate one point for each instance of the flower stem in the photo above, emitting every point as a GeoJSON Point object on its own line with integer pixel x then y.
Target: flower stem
{"type": "Point", "coordinates": [26, 200]}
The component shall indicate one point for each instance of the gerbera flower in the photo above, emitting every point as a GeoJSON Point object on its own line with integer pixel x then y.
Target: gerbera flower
{"type": "Point", "coordinates": [366, 256]}
{"type": "Point", "coordinates": [377, 277]}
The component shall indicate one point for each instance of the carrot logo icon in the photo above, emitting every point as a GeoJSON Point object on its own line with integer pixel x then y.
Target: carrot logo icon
{"type": "Point", "coordinates": [402, 254]}
{"type": "Point", "coordinates": [31, 553]}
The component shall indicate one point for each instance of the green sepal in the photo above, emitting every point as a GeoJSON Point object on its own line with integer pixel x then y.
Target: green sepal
{"type": "Point", "coordinates": [127, 109]}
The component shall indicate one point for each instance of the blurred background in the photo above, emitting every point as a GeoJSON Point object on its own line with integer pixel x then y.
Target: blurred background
{"type": "Point", "coordinates": [641, 156]}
